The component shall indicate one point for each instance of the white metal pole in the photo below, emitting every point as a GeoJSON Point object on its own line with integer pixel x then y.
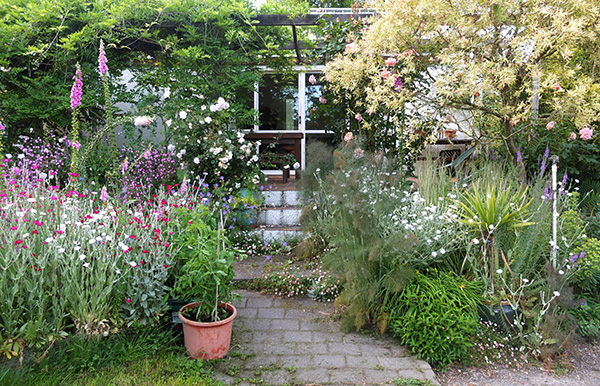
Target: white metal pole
{"type": "Point", "coordinates": [554, 209]}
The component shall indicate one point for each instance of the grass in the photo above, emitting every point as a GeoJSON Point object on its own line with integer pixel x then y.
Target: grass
{"type": "Point", "coordinates": [135, 356]}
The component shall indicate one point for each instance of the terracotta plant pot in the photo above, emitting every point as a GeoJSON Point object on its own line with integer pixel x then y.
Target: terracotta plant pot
{"type": "Point", "coordinates": [207, 340]}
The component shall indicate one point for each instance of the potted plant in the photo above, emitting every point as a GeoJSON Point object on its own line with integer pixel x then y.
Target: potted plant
{"type": "Point", "coordinates": [204, 278]}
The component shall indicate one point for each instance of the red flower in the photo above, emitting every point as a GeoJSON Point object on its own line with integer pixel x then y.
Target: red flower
{"type": "Point", "coordinates": [166, 265]}
{"type": "Point", "coordinates": [144, 251]}
{"type": "Point", "coordinates": [18, 242]}
{"type": "Point", "coordinates": [142, 262]}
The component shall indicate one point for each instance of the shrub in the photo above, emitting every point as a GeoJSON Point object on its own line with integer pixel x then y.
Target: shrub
{"type": "Point", "coordinates": [435, 315]}
{"type": "Point", "coordinates": [586, 262]}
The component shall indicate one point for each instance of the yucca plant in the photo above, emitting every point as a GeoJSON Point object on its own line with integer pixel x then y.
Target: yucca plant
{"type": "Point", "coordinates": [490, 211]}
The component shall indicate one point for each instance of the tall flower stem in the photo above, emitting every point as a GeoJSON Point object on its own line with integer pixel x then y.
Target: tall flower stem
{"type": "Point", "coordinates": [76, 93]}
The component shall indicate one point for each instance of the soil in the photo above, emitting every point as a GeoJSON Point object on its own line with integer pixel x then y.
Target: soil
{"type": "Point", "coordinates": [579, 366]}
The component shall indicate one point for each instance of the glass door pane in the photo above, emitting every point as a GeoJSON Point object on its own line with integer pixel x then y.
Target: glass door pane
{"type": "Point", "coordinates": [278, 103]}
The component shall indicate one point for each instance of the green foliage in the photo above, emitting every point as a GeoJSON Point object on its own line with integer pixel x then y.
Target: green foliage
{"type": "Point", "coordinates": [588, 317]}
{"type": "Point", "coordinates": [435, 315]}
{"type": "Point", "coordinates": [205, 269]}
{"type": "Point", "coordinates": [586, 262]}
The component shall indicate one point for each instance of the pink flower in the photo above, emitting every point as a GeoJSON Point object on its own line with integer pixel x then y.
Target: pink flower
{"type": "Point", "coordinates": [312, 80]}
{"type": "Point", "coordinates": [358, 117]}
{"type": "Point", "coordinates": [128, 300]}
{"type": "Point", "coordinates": [322, 100]}
{"type": "Point", "coordinates": [385, 74]}
{"type": "Point", "coordinates": [550, 125]}
{"type": "Point", "coordinates": [142, 121]}
{"type": "Point", "coordinates": [2, 126]}
{"type": "Point", "coordinates": [348, 137]}
{"type": "Point", "coordinates": [77, 88]}
{"type": "Point", "coordinates": [572, 136]}
{"type": "Point", "coordinates": [351, 48]}
{"type": "Point", "coordinates": [391, 62]}
{"type": "Point", "coordinates": [102, 67]}
{"type": "Point", "coordinates": [103, 194]}
{"type": "Point", "coordinates": [586, 133]}
{"type": "Point", "coordinates": [359, 153]}
{"type": "Point", "coordinates": [76, 145]}
{"type": "Point", "coordinates": [410, 52]}
{"type": "Point", "coordinates": [556, 86]}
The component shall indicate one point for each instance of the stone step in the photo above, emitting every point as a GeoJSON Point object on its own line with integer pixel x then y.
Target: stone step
{"type": "Point", "coordinates": [279, 233]}
{"type": "Point", "coordinates": [281, 198]}
{"type": "Point", "coordinates": [277, 216]}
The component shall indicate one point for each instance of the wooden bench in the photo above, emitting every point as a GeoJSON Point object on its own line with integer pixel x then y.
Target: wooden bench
{"type": "Point", "coordinates": [289, 140]}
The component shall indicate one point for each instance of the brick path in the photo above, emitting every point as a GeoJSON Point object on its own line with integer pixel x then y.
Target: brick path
{"type": "Point", "coordinates": [293, 341]}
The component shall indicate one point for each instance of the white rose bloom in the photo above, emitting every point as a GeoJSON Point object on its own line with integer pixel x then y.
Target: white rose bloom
{"type": "Point", "coordinates": [208, 119]}
{"type": "Point", "coordinates": [183, 114]}
{"type": "Point", "coordinates": [196, 160]}
{"type": "Point", "coordinates": [167, 93]}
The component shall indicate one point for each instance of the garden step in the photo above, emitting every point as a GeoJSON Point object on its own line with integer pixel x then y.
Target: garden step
{"type": "Point", "coordinates": [277, 216]}
{"type": "Point", "coordinates": [279, 233]}
{"type": "Point", "coordinates": [281, 198]}
{"type": "Point", "coordinates": [258, 266]}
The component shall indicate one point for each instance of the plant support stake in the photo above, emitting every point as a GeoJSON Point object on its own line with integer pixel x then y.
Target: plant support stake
{"type": "Point", "coordinates": [554, 209]}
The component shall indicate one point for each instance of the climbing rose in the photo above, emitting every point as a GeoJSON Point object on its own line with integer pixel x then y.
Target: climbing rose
{"type": "Point", "coordinates": [385, 74]}
{"type": "Point", "coordinates": [390, 62]}
{"type": "Point", "coordinates": [312, 80]}
{"type": "Point", "coordinates": [322, 100]}
{"type": "Point", "coordinates": [557, 87]}
{"type": "Point", "coordinates": [142, 121]}
{"type": "Point", "coordinates": [586, 133]}
{"type": "Point", "coordinates": [358, 117]}
{"type": "Point", "coordinates": [348, 137]}
{"type": "Point", "coordinates": [572, 136]}
{"type": "Point", "coordinates": [550, 125]}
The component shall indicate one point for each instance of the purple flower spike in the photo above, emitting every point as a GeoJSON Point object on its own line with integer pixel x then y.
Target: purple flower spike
{"type": "Point", "coordinates": [77, 89]}
{"type": "Point", "coordinates": [519, 156]}
{"type": "Point", "coordinates": [102, 67]}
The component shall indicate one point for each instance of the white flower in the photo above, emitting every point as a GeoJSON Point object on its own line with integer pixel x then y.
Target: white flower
{"type": "Point", "coordinates": [168, 122]}
{"type": "Point", "coordinates": [475, 241]}
{"type": "Point", "coordinates": [167, 93]}
{"type": "Point", "coordinates": [82, 257]}
{"type": "Point", "coordinates": [442, 251]}
{"type": "Point", "coordinates": [296, 165]}
{"type": "Point", "coordinates": [434, 254]}
{"type": "Point", "coordinates": [525, 281]}
{"type": "Point", "coordinates": [499, 272]}
{"type": "Point", "coordinates": [85, 265]}
{"type": "Point", "coordinates": [208, 119]}
{"type": "Point", "coordinates": [183, 114]}
{"type": "Point", "coordinates": [561, 272]}
{"type": "Point", "coordinates": [171, 148]}
{"type": "Point", "coordinates": [556, 293]}
{"type": "Point", "coordinates": [196, 160]}
{"type": "Point", "coordinates": [132, 264]}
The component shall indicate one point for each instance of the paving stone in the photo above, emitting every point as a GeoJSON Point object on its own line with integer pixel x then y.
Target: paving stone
{"type": "Point", "coordinates": [364, 362]}
{"type": "Point", "coordinates": [311, 348]}
{"type": "Point", "coordinates": [329, 361]}
{"type": "Point", "coordinates": [297, 336]}
{"type": "Point", "coordinates": [348, 375]}
{"type": "Point", "coordinates": [344, 348]}
{"type": "Point", "coordinates": [326, 336]}
{"type": "Point", "coordinates": [286, 324]}
{"type": "Point", "coordinates": [311, 376]}
{"type": "Point", "coordinates": [312, 326]}
{"type": "Point", "coordinates": [271, 313]}
{"type": "Point", "coordinates": [380, 376]}
{"type": "Point", "coordinates": [268, 337]}
{"type": "Point", "coordinates": [398, 363]}
{"type": "Point", "coordinates": [247, 312]}
{"type": "Point", "coordinates": [299, 361]}
{"type": "Point", "coordinates": [257, 324]}
{"type": "Point", "coordinates": [259, 302]}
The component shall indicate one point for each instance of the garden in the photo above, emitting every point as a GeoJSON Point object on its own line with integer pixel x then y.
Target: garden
{"type": "Point", "coordinates": [126, 181]}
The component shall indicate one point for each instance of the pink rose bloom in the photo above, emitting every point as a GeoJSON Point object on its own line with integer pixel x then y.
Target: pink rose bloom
{"type": "Point", "coordinates": [550, 125]}
{"type": "Point", "coordinates": [142, 121]}
{"type": "Point", "coordinates": [359, 153]}
{"type": "Point", "coordinates": [358, 117]}
{"type": "Point", "coordinates": [348, 137]}
{"type": "Point", "coordinates": [322, 100]}
{"type": "Point", "coordinates": [312, 79]}
{"type": "Point", "coordinates": [351, 48]}
{"type": "Point", "coordinates": [572, 136]}
{"type": "Point", "coordinates": [586, 133]}
{"type": "Point", "coordinates": [385, 74]}
{"type": "Point", "coordinates": [390, 62]}
{"type": "Point", "coordinates": [556, 86]}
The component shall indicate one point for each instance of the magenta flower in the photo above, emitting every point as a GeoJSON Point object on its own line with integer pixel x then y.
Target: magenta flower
{"type": "Point", "coordinates": [398, 85]}
{"type": "Point", "coordinates": [103, 194]}
{"type": "Point", "coordinates": [128, 300]}
{"type": "Point", "coordinates": [102, 67]}
{"type": "Point", "coordinates": [312, 80]}
{"type": "Point", "coordinates": [77, 89]}
{"type": "Point", "coordinates": [586, 133]}
{"type": "Point", "coordinates": [2, 126]}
